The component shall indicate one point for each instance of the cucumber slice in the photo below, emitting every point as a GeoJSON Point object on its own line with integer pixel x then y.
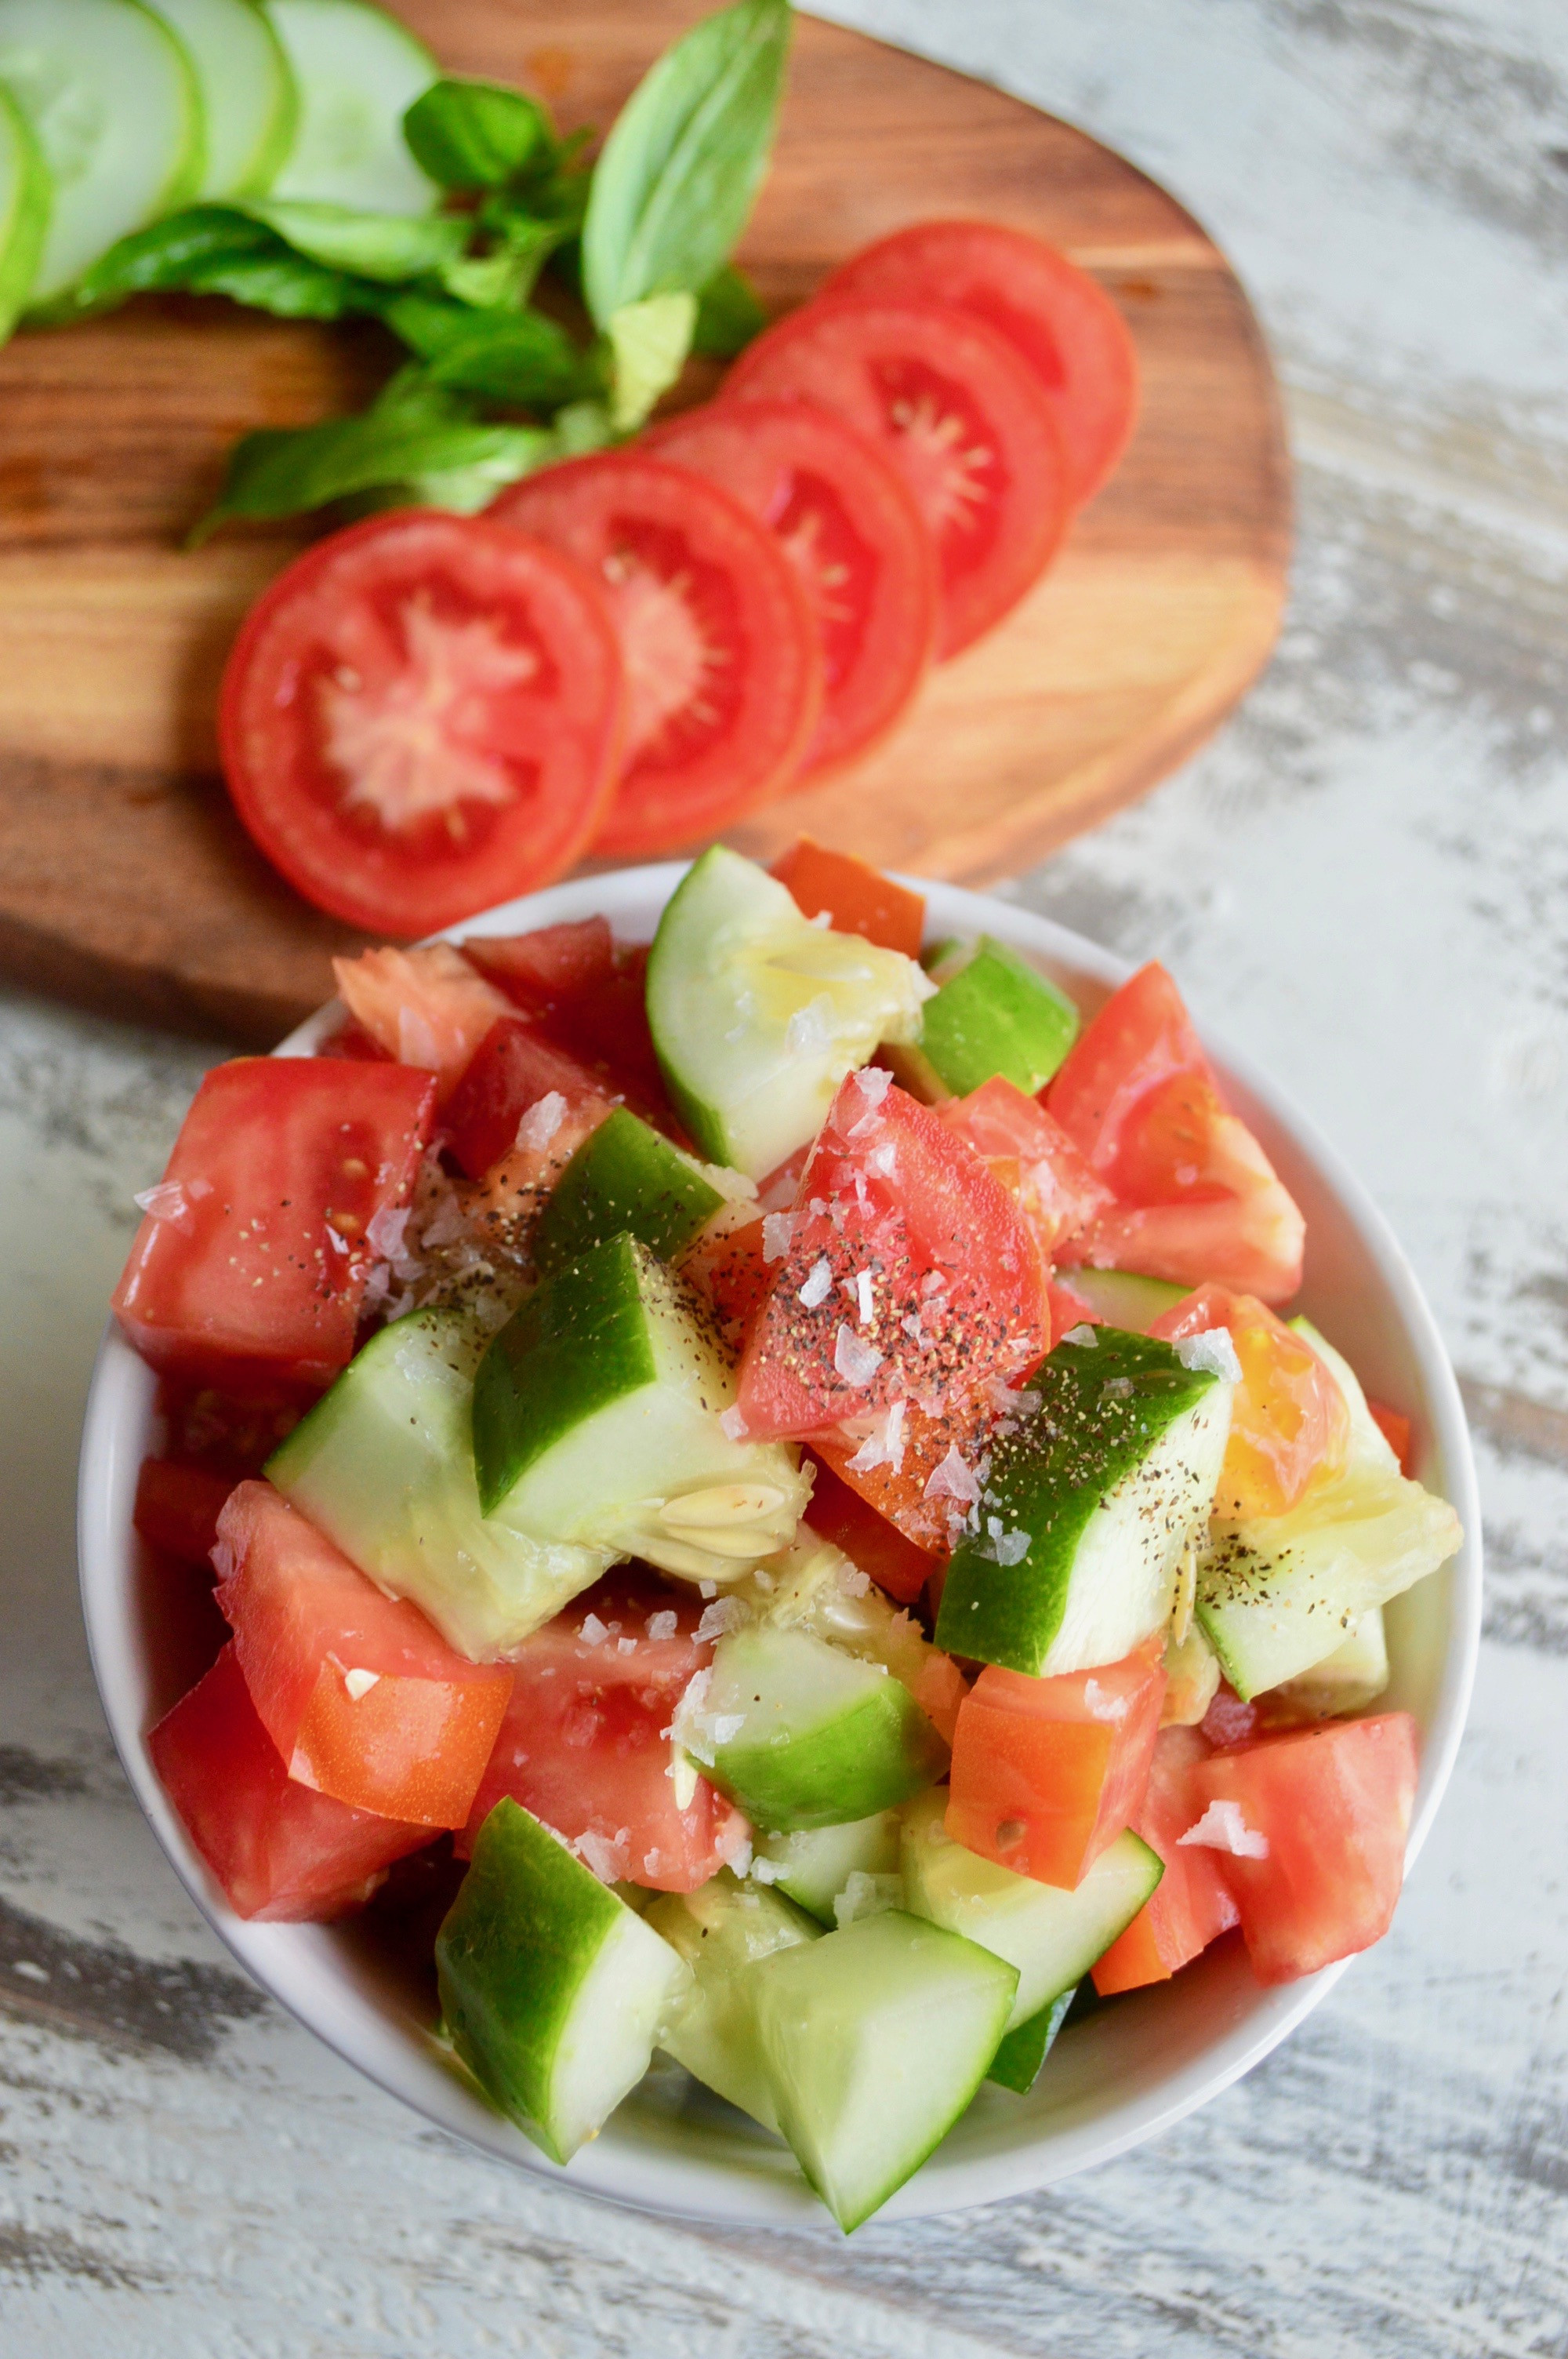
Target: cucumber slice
{"type": "Point", "coordinates": [813, 1864]}
{"type": "Point", "coordinates": [1092, 1502]}
{"type": "Point", "coordinates": [23, 210]}
{"type": "Point", "coordinates": [816, 1587]}
{"type": "Point", "coordinates": [553, 1991]}
{"type": "Point", "coordinates": [623, 1177]}
{"type": "Point", "coordinates": [383, 1465]}
{"type": "Point", "coordinates": [597, 1421]}
{"type": "Point", "coordinates": [248, 100]}
{"type": "Point", "coordinates": [873, 2042]}
{"type": "Point", "coordinates": [757, 1014]}
{"type": "Point", "coordinates": [111, 100]}
{"type": "Point", "coordinates": [719, 1929]}
{"type": "Point", "coordinates": [1124, 1299]}
{"type": "Point", "coordinates": [801, 1736]}
{"type": "Point", "coordinates": [1350, 1679]}
{"type": "Point", "coordinates": [993, 1012]}
{"type": "Point", "coordinates": [1017, 2062]}
{"type": "Point", "coordinates": [1052, 1936]}
{"type": "Point", "coordinates": [358, 72]}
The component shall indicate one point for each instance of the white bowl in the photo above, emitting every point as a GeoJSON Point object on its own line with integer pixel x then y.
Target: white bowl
{"type": "Point", "coordinates": [1114, 2079]}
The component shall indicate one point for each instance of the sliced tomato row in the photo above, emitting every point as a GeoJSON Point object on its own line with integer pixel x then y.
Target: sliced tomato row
{"type": "Point", "coordinates": [428, 713]}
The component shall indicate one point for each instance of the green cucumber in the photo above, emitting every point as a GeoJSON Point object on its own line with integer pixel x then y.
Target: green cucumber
{"type": "Point", "coordinates": [874, 2040]}
{"type": "Point", "coordinates": [1017, 2063]}
{"type": "Point", "coordinates": [597, 1421]}
{"type": "Point", "coordinates": [802, 1736]}
{"type": "Point", "coordinates": [248, 100]}
{"type": "Point", "coordinates": [553, 1991]}
{"type": "Point", "coordinates": [623, 1178]}
{"type": "Point", "coordinates": [23, 210]}
{"type": "Point", "coordinates": [1052, 1936]}
{"type": "Point", "coordinates": [721, 1930]}
{"type": "Point", "coordinates": [383, 1465]}
{"type": "Point", "coordinates": [1350, 1679]}
{"type": "Point", "coordinates": [813, 1864]}
{"type": "Point", "coordinates": [757, 1014]}
{"type": "Point", "coordinates": [113, 102]}
{"type": "Point", "coordinates": [816, 1587]}
{"type": "Point", "coordinates": [358, 72]}
{"type": "Point", "coordinates": [1122, 1298]}
{"type": "Point", "coordinates": [1092, 1501]}
{"type": "Point", "coordinates": [993, 1012]}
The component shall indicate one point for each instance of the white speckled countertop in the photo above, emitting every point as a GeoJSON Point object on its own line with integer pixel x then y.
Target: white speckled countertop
{"type": "Point", "coordinates": [1365, 884]}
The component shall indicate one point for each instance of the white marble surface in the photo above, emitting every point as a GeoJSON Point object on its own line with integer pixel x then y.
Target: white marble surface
{"type": "Point", "coordinates": [1363, 883]}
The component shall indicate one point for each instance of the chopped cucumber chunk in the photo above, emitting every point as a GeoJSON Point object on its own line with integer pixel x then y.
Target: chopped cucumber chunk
{"type": "Point", "coordinates": [358, 72]}
{"type": "Point", "coordinates": [248, 101]}
{"type": "Point", "coordinates": [24, 209]}
{"type": "Point", "coordinates": [111, 99]}
{"type": "Point", "coordinates": [383, 1465]}
{"type": "Point", "coordinates": [1350, 1679]}
{"type": "Point", "coordinates": [1124, 1299]}
{"type": "Point", "coordinates": [873, 2042]}
{"type": "Point", "coordinates": [623, 1178]}
{"type": "Point", "coordinates": [813, 1864]}
{"type": "Point", "coordinates": [554, 1992]}
{"type": "Point", "coordinates": [1052, 1935]}
{"type": "Point", "coordinates": [1091, 1503]}
{"type": "Point", "coordinates": [993, 1012]}
{"type": "Point", "coordinates": [816, 1587]}
{"type": "Point", "coordinates": [596, 1421]}
{"type": "Point", "coordinates": [1017, 2063]}
{"type": "Point", "coordinates": [757, 1014]}
{"type": "Point", "coordinates": [719, 1929]}
{"type": "Point", "coordinates": [802, 1736]}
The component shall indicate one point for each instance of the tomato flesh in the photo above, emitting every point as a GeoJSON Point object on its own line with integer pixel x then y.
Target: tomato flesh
{"type": "Point", "coordinates": [280, 1852]}
{"type": "Point", "coordinates": [948, 401]}
{"type": "Point", "coordinates": [723, 666]}
{"type": "Point", "coordinates": [249, 1269]}
{"type": "Point", "coordinates": [842, 1515]}
{"type": "Point", "coordinates": [846, 521]}
{"type": "Point", "coordinates": [1059, 321]}
{"type": "Point", "coordinates": [1333, 1805]}
{"type": "Point", "coordinates": [537, 971]}
{"type": "Point", "coordinates": [362, 1697]}
{"type": "Point", "coordinates": [585, 1744]}
{"type": "Point", "coordinates": [1047, 1772]}
{"type": "Point", "coordinates": [728, 1266]}
{"type": "Point", "coordinates": [426, 1006]}
{"type": "Point", "coordinates": [1288, 1418]}
{"type": "Point", "coordinates": [421, 717]}
{"type": "Point", "coordinates": [1033, 1158]}
{"type": "Point", "coordinates": [517, 1066]}
{"type": "Point", "coordinates": [1192, 1904]}
{"type": "Point", "coordinates": [1398, 1432]}
{"type": "Point", "coordinates": [855, 897]}
{"type": "Point", "coordinates": [178, 1507]}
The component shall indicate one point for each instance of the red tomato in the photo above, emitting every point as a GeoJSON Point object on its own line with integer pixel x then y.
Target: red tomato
{"type": "Point", "coordinates": [589, 993]}
{"type": "Point", "coordinates": [910, 1491]}
{"type": "Point", "coordinates": [178, 1507]}
{"type": "Point", "coordinates": [857, 899]}
{"type": "Point", "coordinates": [1033, 1155]}
{"type": "Point", "coordinates": [1197, 1197]}
{"type": "Point", "coordinates": [362, 1697]}
{"type": "Point", "coordinates": [842, 1516]}
{"type": "Point", "coordinates": [538, 969]}
{"type": "Point", "coordinates": [249, 1268]}
{"type": "Point", "coordinates": [422, 716]}
{"type": "Point", "coordinates": [1191, 1905]}
{"type": "Point", "coordinates": [723, 671]}
{"type": "Point", "coordinates": [1047, 1772]}
{"type": "Point", "coordinates": [963, 420]}
{"type": "Point", "coordinates": [517, 1065]}
{"type": "Point", "coordinates": [1288, 1417]}
{"type": "Point", "coordinates": [920, 1282]}
{"type": "Point", "coordinates": [846, 521]}
{"type": "Point", "coordinates": [426, 1006]}
{"type": "Point", "coordinates": [279, 1850]}
{"type": "Point", "coordinates": [586, 1740]}
{"type": "Point", "coordinates": [1060, 320]}
{"type": "Point", "coordinates": [1398, 1432]}
{"type": "Point", "coordinates": [728, 1268]}
{"type": "Point", "coordinates": [1068, 1309]}
{"type": "Point", "coordinates": [1333, 1805]}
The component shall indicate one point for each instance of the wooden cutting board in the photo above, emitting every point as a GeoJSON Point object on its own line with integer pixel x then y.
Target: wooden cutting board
{"type": "Point", "coordinates": [125, 883]}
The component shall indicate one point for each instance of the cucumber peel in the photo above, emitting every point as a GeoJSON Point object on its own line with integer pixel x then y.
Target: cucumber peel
{"type": "Point", "coordinates": [24, 197]}
{"type": "Point", "coordinates": [623, 1177]}
{"type": "Point", "coordinates": [993, 1012]}
{"type": "Point", "coordinates": [1021, 2052]}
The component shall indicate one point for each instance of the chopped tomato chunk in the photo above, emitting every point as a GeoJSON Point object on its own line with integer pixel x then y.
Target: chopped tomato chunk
{"type": "Point", "coordinates": [1313, 1828]}
{"type": "Point", "coordinates": [249, 1269]}
{"type": "Point", "coordinates": [537, 971]}
{"type": "Point", "coordinates": [362, 1697]}
{"type": "Point", "coordinates": [178, 1507]}
{"type": "Point", "coordinates": [279, 1850]}
{"type": "Point", "coordinates": [426, 1006]}
{"type": "Point", "coordinates": [516, 1067]}
{"type": "Point", "coordinates": [1288, 1418]}
{"type": "Point", "coordinates": [726, 1265]}
{"type": "Point", "coordinates": [1047, 1772]}
{"type": "Point", "coordinates": [1034, 1158]}
{"type": "Point", "coordinates": [844, 1516]}
{"type": "Point", "coordinates": [1192, 1905]}
{"type": "Point", "coordinates": [1398, 1432]}
{"type": "Point", "coordinates": [856, 898]}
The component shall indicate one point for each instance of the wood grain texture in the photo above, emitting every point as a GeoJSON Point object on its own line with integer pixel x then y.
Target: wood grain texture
{"type": "Point", "coordinates": [125, 880]}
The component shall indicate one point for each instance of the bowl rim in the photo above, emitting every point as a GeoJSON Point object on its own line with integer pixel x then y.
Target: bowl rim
{"type": "Point", "coordinates": [284, 1959]}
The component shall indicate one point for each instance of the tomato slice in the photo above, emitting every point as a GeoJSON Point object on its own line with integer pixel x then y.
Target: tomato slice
{"type": "Point", "coordinates": [723, 670]}
{"type": "Point", "coordinates": [427, 1006]}
{"type": "Point", "coordinates": [1197, 1197]}
{"type": "Point", "coordinates": [1191, 1905]}
{"type": "Point", "coordinates": [421, 717]}
{"type": "Point", "coordinates": [949, 402]}
{"type": "Point", "coordinates": [280, 1852]}
{"type": "Point", "coordinates": [250, 1267]}
{"type": "Point", "coordinates": [1059, 319]}
{"type": "Point", "coordinates": [844, 519]}
{"type": "Point", "coordinates": [362, 1697]}
{"type": "Point", "coordinates": [178, 1507]}
{"type": "Point", "coordinates": [855, 897]}
{"type": "Point", "coordinates": [1288, 1418]}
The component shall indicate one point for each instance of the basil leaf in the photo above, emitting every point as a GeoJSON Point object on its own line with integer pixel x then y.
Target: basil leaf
{"type": "Point", "coordinates": [676, 179]}
{"type": "Point", "coordinates": [648, 343]}
{"type": "Point", "coordinates": [506, 273]}
{"type": "Point", "coordinates": [519, 358]}
{"type": "Point", "coordinates": [729, 315]}
{"type": "Point", "coordinates": [476, 135]}
{"type": "Point", "coordinates": [388, 248]}
{"type": "Point", "coordinates": [218, 250]}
